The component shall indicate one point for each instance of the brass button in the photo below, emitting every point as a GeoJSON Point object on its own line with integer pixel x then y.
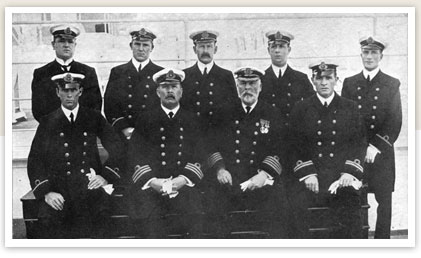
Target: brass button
{"type": "Point", "coordinates": [129, 106]}
{"type": "Point", "coordinates": [210, 93]}
{"type": "Point", "coordinates": [61, 134]}
{"type": "Point", "coordinates": [373, 117]}
{"type": "Point", "coordinates": [254, 143]}
{"type": "Point", "coordinates": [68, 163]}
{"type": "Point", "coordinates": [289, 94]}
{"type": "Point", "coordinates": [66, 145]}
{"type": "Point", "coordinates": [237, 141]}
{"type": "Point", "coordinates": [376, 98]}
{"type": "Point", "coordinates": [237, 132]}
{"type": "Point", "coordinates": [82, 171]}
{"type": "Point", "coordinates": [377, 89]}
{"type": "Point", "coordinates": [288, 105]}
{"type": "Point", "coordinates": [148, 77]}
{"type": "Point", "coordinates": [319, 132]}
{"type": "Point", "coordinates": [237, 151]}
{"type": "Point", "coordinates": [372, 126]}
{"type": "Point", "coordinates": [198, 113]}
{"type": "Point", "coordinates": [210, 113]}
{"type": "Point", "coordinates": [237, 161]}
{"type": "Point", "coordinates": [287, 114]}
{"type": "Point", "coordinates": [273, 95]}
{"type": "Point", "coordinates": [161, 129]}
{"type": "Point", "coordinates": [333, 143]}
{"type": "Point", "coordinates": [359, 106]}
{"type": "Point", "coordinates": [359, 97]}
{"type": "Point", "coordinates": [257, 124]}
{"type": "Point", "coordinates": [147, 86]}
{"type": "Point", "coordinates": [179, 153]}
{"type": "Point", "coordinates": [319, 143]}
{"type": "Point", "coordinates": [198, 103]}
{"type": "Point", "coordinates": [178, 163]}
{"type": "Point", "coordinates": [129, 116]}
{"type": "Point", "coordinates": [237, 122]}
{"type": "Point", "coordinates": [66, 155]}
{"type": "Point", "coordinates": [331, 155]}
{"type": "Point", "coordinates": [333, 132]}
{"type": "Point", "coordinates": [145, 96]}
{"type": "Point", "coordinates": [211, 84]}
{"type": "Point", "coordinates": [130, 86]}
{"type": "Point", "coordinates": [196, 83]}
{"type": "Point", "coordinates": [162, 145]}
{"type": "Point", "coordinates": [143, 106]}
{"type": "Point", "coordinates": [273, 105]}
{"type": "Point", "coordinates": [256, 133]}
{"type": "Point", "coordinates": [359, 88]}
{"type": "Point", "coordinates": [251, 161]}
{"type": "Point", "coordinates": [319, 121]}
{"type": "Point", "coordinates": [164, 163]}
{"type": "Point", "coordinates": [374, 107]}
{"type": "Point", "coordinates": [197, 92]}
{"type": "Point", "coordinates": [85, 144]}
{"type": "Point", "coordinates": [69, 173]}
{"type": "Point", "coordinates": [163, 138]}
{"type": "Point", "coordinates": [163, 154]}
{"type": "Point", "coordinates": [130, 96]}
{"type": "Point", "coordinates": [253, 153]}
{"type": "Point", "coordinates": [181, 137]}
{"type": "Point", "coordinates": [85, 134]}
{"type": "Point", "coordinates": [210, 103]}
{"type": "Point", "coordinates": [181, 129]}
{"type": "Point", "coordinates": [320, 155]}
{"type": "Point", "coordinates": [83, 162]}
{"type": "Point", "coordinates": [84, 153]}
{"type": "Point", "coordinates": [334, 121]}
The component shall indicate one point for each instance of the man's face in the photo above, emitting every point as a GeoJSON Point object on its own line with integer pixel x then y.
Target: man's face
{"type": "Point", "coordinates": [205, 51]}
{"type": "Point", "coordinates": [170, 94]}
{"type": "Point", "coordinates": [279, 53]}
{"type": "Point", "coordinates": [325, 83]}
{"type": "Point", "coordinates": [69, 97]}
{"type": "Point", "coordinates": [371, 58]}
{"type": "Point", "coordinates": [141, 49]}
{"type": "Point", "coordinates": [248, 90]}
{"type": "Point", "coordinates": [64, 47]}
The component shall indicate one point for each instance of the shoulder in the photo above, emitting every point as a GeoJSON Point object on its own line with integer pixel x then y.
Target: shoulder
{"type": "Point", "coordinates": [387, 79]}
{"type": "Point", "coordinates": [353, 77]}
{"type": "Point", "coordinates": [44, 68]}
{"type": "Point", "coordinates": [154, 67]}
{"type": "Point", "coordinates": [297, 74]}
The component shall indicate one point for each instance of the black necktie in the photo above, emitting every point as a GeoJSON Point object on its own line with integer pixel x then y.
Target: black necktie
{"type": "Point", "coordinates": [72, 121]}
{"type": "Point", "coordinates": [171, 114]}
{"type": "Point", "coordinates": [205, 72]}
{"type": "Point", "coordinates": [248, 110]}
{"type": "Point", "coordinates": [280, 74]}
{"type": "Point", "coordinates": [368, 79]}
{"type": "Point", "coordinates": [325, 105]}
{"type": "Point", "coordinates": [139, 69]}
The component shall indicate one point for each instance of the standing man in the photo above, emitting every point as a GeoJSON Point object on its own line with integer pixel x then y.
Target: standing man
{"type": "Point", "coordinates": [65, 169]}
{"type": "Point", "coordinates": [283, 86]}
{"type": "Point", "coordinates": [130, 89]}
{"type": "Point", "coordinates": [328, 152]}
{"type": "Point", "coordinates": [44, 99]}
{"type": "Point", "coordinates": [379, 102]}
{"type": "Point", "coordinates": [245, 164]}
{"type": "Point", "coordinates": [164, 160]}
{"type": "Point", "coordinates": [207, 86]}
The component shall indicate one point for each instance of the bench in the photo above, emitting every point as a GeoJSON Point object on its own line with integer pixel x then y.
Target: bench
{"type": "Point", "coordinates": [244, 224]}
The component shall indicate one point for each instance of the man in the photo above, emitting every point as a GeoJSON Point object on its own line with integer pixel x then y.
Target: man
{"type": "Point", "coordinates": [328, 151]}
{"type": "Point", "coordinates": [64, 166]}
{"type": "Point", "coordinates": [164, 156]}
{"type": "Point", "coordinates": [207, 86]}
{"type": "Point", "coordinates": [44, 99]}
{"type": "Point", "coordinates": [379, 102]}
{"type": "Point", "coordinates": [245, 164]}
{"type": "Point", "coordinates": [283, 86]}
{"type": "Point", "coordinates": [130, 89]}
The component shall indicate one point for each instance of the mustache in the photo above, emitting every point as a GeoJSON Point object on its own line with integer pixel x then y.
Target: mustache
{"type": "Point", "coordinates": [170, 96]}
{"type": "Point", "coordinates": [205, 55]}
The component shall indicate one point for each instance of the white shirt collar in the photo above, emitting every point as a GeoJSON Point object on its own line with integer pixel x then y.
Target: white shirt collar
{"type": "Point", "coordinates": [328, 100]}
{"type": "Point", "coordinates": [202, 66]}
{"type": "Point", "coordinates": [252, 106]}
{"type": "Point", "coordinates": [277, 68]}
{"type": "Point", "coordinates": [371, 73]}
{"type": "Point", "coordinates": [174, 110]}
{"type": "Point", "coordinates": [137, 63]}
{"type": "Point", "coordinates": [62, 62]}
{"type": "Point", "coordinates": [67, 112]}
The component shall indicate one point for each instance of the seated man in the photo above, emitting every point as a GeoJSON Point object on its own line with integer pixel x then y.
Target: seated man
{"type": "Point", "coordinates": [245, 166]}
{"type": "Point", "coordinates": [328, 153]}
{"type": "Point", "coordinates": [164, 156]}
{"type": "Point", "coordinates": [65, 169]}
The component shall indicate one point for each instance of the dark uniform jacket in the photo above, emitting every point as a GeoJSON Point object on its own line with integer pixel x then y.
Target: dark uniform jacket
{"type": "Point", "coordinates": [61, 156]}
{"type": "Point", "coordinates": [162, 147]}
{"type": "Point", "coordinates": [285, 92]}
{"type": "Point", "coordinates": [44, 96]}
{"type": "Point", "coordinates": [204, 95]}
{"type": "Point", "coordinates": [380, 105]}
{"type": "Point", "coordinates": [327, 141]}
{"type": "Point", "coordinates": [128, 93]}
{"type": "Point", "coordinates": [245, 143]}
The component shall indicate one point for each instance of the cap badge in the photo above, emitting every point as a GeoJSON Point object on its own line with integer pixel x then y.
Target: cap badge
{"type": "Point", "coordinates": [370, 40]}
{"type": "Point", "coordinates": [248, 71]}
{"type": "Point", "coordinates": [205, 35]}
{"type": "Point", "coordinates": [322, 66]}
{"type": "Point", "coordinates": [68, 78]}
{"type": "Point", "coordinates": [278, 35]}
{"type": "Point", "coordinates": [142, 31]}
{"type": "Point", "coordinates": [170, 74]}
{"type": "Point", "coordinates": [67, 30]}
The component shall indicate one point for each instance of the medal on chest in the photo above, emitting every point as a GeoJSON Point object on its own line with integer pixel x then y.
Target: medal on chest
{"type": "Point", "coordinates": [264, 126]}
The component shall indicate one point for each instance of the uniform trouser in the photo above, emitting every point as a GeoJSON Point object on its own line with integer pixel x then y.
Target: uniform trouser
{"type": "Point", "coordinates": [270, 201]}
{"type": "Point", "coordinates": [344, 216]}
{"type": "Point", "coordinates": [81, 218]}
{"type": "Point", "coordinates": [157, 216]}
{"type": "Point", "coordinates": [384, 214]}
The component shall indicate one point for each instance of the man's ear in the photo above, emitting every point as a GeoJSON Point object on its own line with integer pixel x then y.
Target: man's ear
{"type": "Point", "coordinates": [194, 49]}
{"type": "Point", "coordinates": [57, 92]}
{"type": "Point", "coordinates": [216, 49]}
{"type": "Point", "coordinates": [80, 91]}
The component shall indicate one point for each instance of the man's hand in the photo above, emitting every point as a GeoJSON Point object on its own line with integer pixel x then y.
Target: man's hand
{"type": "Point", "coordinates": [156, 184]}
{"type": "Point", "coordinates": [257, 181]}
{"type": "Point", "coordinates": [128, 132]}
{"type": "Point", "coordinates": [312, 183]}
{"type": "Point", "coordinates": [178, 183]}
{"type": "Point", "coordinates": [224, 177]}
{"type": "Point", "coordinates": [346, 180]}
{"type": "Point", "coordinates": [55, 200]}
{"type": "Point", "coordinates": [96, 181]}
{"type": "Point", "coordinates": [371, 154]}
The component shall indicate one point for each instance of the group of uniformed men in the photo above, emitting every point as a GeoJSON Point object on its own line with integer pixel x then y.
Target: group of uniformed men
{"type": "Point", "coordinates": [258, 140]}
